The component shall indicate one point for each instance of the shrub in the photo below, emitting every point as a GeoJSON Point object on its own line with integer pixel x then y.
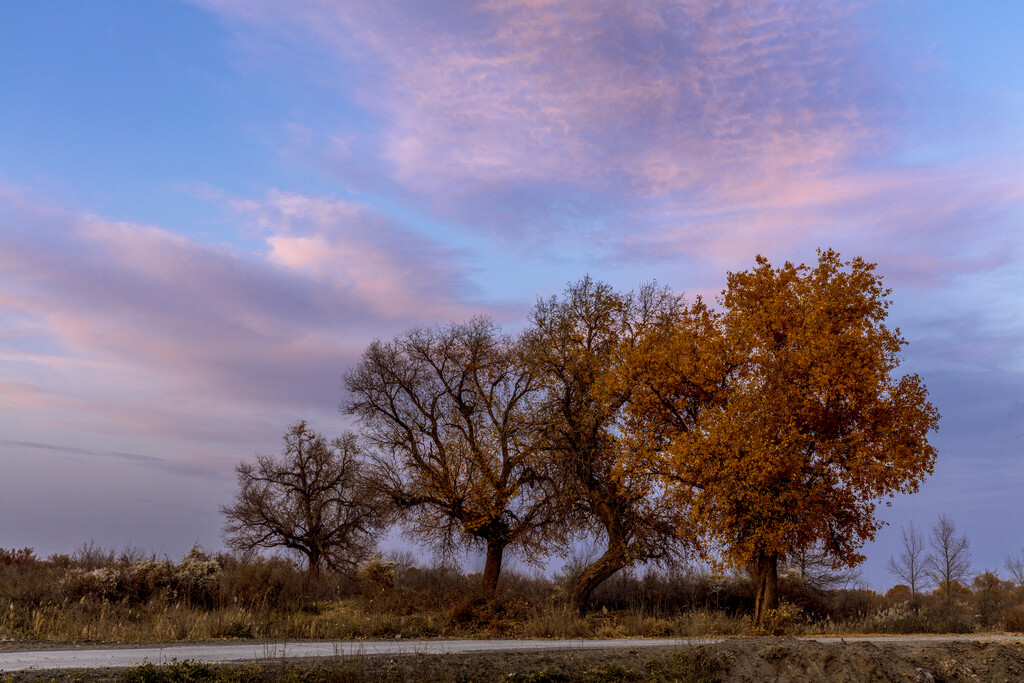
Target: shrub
{"type": "Point", "coordinates": [1013, 618]}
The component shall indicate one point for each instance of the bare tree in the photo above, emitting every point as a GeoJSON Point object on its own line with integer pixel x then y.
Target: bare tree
{"type": "Point", "coordinates": [910, 566]}
{"type": "Point", "coordinates": [578, 345]}
{"type": "Point", "coordinates": [950, 560]}
{"type": "Point", "coordinates": [816, 570]}
{"type": "Point", "coordinates": [1015, 565]}
{"type": "Point", "coordinates": [449, 413]}
{"type": "Point", "coordinates": [311, 501]}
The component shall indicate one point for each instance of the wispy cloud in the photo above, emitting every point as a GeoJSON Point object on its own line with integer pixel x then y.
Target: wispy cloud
{"type": "Point", "coordinates": [656, 129]}
{"type": "Point", "coordinates": [640, 99]}
{"type": "Point", "coordinates": [394, 271]}
{"type": "Point", "coordinates": [150, 332]}
{"type": "Point", "coordinates": [133, 458]}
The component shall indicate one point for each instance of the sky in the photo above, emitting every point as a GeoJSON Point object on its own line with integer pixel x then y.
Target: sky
{"type": "Point", "coordinates": [209, 208]}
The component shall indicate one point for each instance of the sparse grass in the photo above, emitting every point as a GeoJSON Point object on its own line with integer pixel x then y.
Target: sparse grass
{"type": "Point", "coordinates": [687, 665]}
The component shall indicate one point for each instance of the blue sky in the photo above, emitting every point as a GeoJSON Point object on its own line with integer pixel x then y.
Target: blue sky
{"type": "Point", "coordinates": [208, 209]}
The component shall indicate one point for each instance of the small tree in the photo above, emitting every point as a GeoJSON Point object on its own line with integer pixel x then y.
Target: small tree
{"type": "Point", "coordinates": [950, 561]}
{"type": "Point", "coordinates": [910, 565]}
{"type": "Point", "coordinates": [311, 501]}
{"type": "Point", "coordinates": [815, 570]}
{"type": "Point", "coordinates": [990, 596]}
{"type": "Point", "coordinates": [1015, 565]}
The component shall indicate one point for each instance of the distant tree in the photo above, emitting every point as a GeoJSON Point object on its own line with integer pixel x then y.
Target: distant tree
{"type": "Point", "coordinates": [990, 596]}
{"type": "Point", "coordinates": [949, 563]}
{"type": "Point", "coordinates": [449, 413]}
{"type": "Point", "coordinates": [311, 501]}
{"type": "Point", "coordinates": [578, 345]}
{"type": "Point", "coordinates": [92, 556]}
{"type": "Point", "coordinates": [910, 565]}
{"type": "Point", "coordinates": [815, 570]}
{"type": "Point", "coordinates": [781, 422]}
{"type": "Point", "coordinates": [1015, 565]}
{"type": "Point", "coordinates": [899, 593]}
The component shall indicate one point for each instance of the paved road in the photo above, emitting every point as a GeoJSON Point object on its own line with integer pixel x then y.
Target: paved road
{"type": "Point", "coordinates": [125, 657]}
{"type": "Point", "coordinates": [89, 658]}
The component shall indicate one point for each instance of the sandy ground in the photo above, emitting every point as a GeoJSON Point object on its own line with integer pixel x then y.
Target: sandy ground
{"type": "Point", "coordinates": [909, 658]}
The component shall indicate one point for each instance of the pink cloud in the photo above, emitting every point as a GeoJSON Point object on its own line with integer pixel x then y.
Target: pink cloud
{"type": "Point", "coordinates": [647, 98]}
{"type": "Point", "coordinates": [147, 332]}
{"type": "Point", "coordinates": [699, 131]}
{"type": "Point", "coordinates": [341, 244]}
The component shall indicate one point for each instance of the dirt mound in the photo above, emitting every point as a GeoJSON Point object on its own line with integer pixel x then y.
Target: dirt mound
{"type": "Point", "coordinates": [799, 660]}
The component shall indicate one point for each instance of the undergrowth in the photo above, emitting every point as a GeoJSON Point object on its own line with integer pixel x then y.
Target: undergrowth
{"type": "Point", "coordinates": [95, 595]}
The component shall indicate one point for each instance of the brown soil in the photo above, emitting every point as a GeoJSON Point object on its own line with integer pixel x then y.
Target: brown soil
{"type": "Point", "coordinates": [739, 659]}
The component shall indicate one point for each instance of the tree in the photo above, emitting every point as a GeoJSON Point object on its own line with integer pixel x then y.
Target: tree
{"type": "Point", "coordinates": [577, 345]}
{"type": "Point", "coordinates": [990, 596]}
{"type": "Point", "coordinates": [1015, 565]}
{"type": "Point", "coordinates": [815, 571]}
{"type": "Point", "coordinates": [779, 423]}
{"type": "Point", "coordinates": [910, 565]}
{"type": "Point", "coordinates": [950, 560]}
{"type": "Point", "coordinates": [311, 501]}
{"type": "Point", "coordinates": [449, 414]}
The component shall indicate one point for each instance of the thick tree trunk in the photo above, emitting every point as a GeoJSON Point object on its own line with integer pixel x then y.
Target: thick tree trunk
{"type": "Point", "coordinates": [766, 576]}
{"type": "Point", "coordinates": [613, 560]}
{"type": "Point", "coordinates": [492, 567]}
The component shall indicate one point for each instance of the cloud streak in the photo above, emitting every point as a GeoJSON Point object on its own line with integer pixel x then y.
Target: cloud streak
{"type": "Point", "coordinates": [133, 458]}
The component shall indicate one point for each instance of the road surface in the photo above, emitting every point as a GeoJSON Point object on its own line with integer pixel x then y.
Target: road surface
{"type": "Point", "coordinates": [89, 658]}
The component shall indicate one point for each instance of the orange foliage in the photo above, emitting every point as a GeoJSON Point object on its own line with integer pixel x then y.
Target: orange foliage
{"type": "Point", "coordinates": [579, 344]}
{"type": "Point", "coordinates": [778, 422]}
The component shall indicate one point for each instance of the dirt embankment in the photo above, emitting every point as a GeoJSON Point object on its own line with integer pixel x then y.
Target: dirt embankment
{"type": "Point", "coordinates": [799, 661]}
{"type": "Point", "coordinates": [740, 659]}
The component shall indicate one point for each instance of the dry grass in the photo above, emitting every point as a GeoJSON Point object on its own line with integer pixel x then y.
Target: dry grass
{"type": "Point", "coordinates": [99, 596]}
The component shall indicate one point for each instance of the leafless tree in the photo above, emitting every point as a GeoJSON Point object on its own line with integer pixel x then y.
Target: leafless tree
{"type": "Point", "coordinates": [950, 560]}
{"type": "Point", "coordinates": [910, 566]}
{"type": "Point", "coordinates": [449, 413]}
{"type": "Point", "coordinates": [311, 501]}
{"type": "Point", "coordinates": [1015, 565]}
{"type": "Point", "coordinates": [816, 571]}
{"type": "Point", "coordinates": [92, 556]}
{"type": "Point", "coordinates": [577, 344]}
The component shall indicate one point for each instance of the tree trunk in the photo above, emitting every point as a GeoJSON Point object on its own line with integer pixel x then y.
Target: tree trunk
{"type": "Point", "coordinates": [766, 576]}
{"type": "Point", "coordinates": [613, 560]}
{"type": "Point", "coordinates": [312, 563]}
{"type": "Point", "coordinates": [492, 567]}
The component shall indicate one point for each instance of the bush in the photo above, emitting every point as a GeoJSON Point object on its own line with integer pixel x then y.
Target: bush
{"type": "Point", "coordinates": [1013, 619]}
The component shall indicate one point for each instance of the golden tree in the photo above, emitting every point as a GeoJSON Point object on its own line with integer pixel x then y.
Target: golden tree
{"type": "Point", "coordinates": [448, 412]}
{"type": "Point", "coordinates": [778, 422]}
{"type": "Point", "coordinates": [577, 344]}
